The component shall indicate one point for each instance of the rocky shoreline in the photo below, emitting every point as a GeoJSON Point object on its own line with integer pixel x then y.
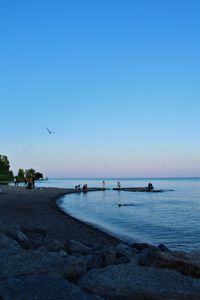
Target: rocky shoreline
{"type": "Point", "coordinates": [46, 254]}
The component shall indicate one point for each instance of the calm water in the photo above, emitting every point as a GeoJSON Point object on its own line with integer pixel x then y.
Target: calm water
{"type": "Point", "coordinates": [171, 217]}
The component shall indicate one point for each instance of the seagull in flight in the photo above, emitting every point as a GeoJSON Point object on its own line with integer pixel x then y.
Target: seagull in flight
{"type": "Point", "coordinates": [49, 131]}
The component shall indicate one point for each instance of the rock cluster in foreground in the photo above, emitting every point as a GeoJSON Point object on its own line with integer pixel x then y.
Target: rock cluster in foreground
{"type": "Point", "coordinates": [34, 267]}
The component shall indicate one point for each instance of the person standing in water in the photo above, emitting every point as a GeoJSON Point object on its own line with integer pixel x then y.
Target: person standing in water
{"type": "Point", "coordinates": [118, 185]}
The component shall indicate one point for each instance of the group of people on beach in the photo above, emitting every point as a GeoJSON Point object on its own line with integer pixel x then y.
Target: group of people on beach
{"type": "Point", "coordinates": [78, 187]}
{"type": "Point", "coordinates": [84, 188]}
{"type": "Point", "coordinates": [29, 183]}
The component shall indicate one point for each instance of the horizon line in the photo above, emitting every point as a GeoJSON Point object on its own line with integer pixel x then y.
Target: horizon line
{"type": "Point", "coordinates": [177, 177]}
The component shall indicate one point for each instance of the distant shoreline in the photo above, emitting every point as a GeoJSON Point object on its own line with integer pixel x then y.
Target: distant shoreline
{"type": "Point", "coordinates": [121, 178]}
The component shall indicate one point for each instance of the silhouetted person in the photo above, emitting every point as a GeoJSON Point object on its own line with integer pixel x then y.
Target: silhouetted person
{"type": "Point", "coordinates": [150, 186]}
{"type": "Point", "coordinates": [16, 182]}
{"type": "Point", "coordinates": [104, 184]}
{"type": "Point", "coordinates": [29, 185]}
{"type": "Point", "coordinates": [33, 183]}
{"type": "Point", "coordinates": [85, 187]}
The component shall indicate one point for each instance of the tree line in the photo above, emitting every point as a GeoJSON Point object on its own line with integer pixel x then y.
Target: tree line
{"type": "Point", "coordinates": [7, 175]}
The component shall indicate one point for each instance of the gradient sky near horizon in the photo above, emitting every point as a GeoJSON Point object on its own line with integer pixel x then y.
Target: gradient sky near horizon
{"type": "Point", "coordinates": [118, 81]}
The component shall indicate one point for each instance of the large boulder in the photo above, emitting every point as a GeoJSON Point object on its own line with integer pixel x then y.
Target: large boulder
{"type": "Point", "coordinates": [28, 262]}
{"type": "Point", "coordinates": [9, 230]}
{"type": "Point", "coordinates": [125, 253]}
{"type": "Point", "coordinates": [142, 246]}
{"type": "Point", "coordinates": [76, 248]}
{"type": "Point", "coordinates": [8, 245]}
{"type": "Point", "coordinates": [40, 262]}
{"type": "Point", "coordinates": [94, 261]}
{"type": "Point", "coordinates": [54, 246]}
{"type": "Point", "coordinates": [74, 268]}
{"type": "Point", "coordinates": [42, 287]}
{"type": "Point", "coordinates": [15, 232]}
{"type": "Point", "coordinates": [108, 256]}
{"type": "Point", "coordinates": [188, 264]}
{"type": "Point", "coordinates": [130, 281]}
{"type": "Point", "coordinates": [33, 231]}
{"type": "Point", "coordinates": [21, 238]}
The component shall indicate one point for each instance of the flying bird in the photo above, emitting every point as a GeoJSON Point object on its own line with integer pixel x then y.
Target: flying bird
{"type": "Point", "coordinates": [49, 131]}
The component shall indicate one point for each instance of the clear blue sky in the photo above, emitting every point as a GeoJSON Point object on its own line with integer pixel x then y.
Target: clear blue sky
{"type": "Point", "coordinates": [119, 82]}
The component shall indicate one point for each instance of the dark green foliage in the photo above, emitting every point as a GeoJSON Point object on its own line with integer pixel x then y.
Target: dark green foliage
{"type": "Point", "coordinates": [30, 173]}
{"type": "Point", "coordinates": [5, 173]}
{"type": "Point", "coordinates": [20, 175]}
{"type": "Point", "coordinates": [38, 176]}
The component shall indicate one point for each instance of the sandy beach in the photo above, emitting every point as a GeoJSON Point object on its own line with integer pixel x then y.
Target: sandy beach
{"type": "Point", "coordinates": [38, 207]}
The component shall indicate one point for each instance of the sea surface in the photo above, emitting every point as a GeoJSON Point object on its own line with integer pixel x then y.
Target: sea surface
{"type": "Point", "coordinates": [171, 217]}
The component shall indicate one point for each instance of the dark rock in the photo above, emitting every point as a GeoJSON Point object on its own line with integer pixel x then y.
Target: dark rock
{"type": "Point", "coordinates": [9, 230]}
{"type": "Point", "coordinates": [130, 281]}
{"type": "Point", "coordinates": [8, 245]}
{"type": "Point", "coordinates": [75, 247]}
{"type": "Point", "coordinates": [122, 260]}
{"type": "Point", "coordinates": [42, 249]}
{"type": "Point", "coordinates": [35, 231]}
{"type": "Point", "coordinates": [94, 261]}
{"type": "Point", "coordinates": [108, 256]}
{"type": "Point", "coordinates": [162, 247]}
{"type": "Point", "coordinates": [74, 267]}
{"type": "Point", "coordinates": [141, 246]}
{"type": "Point", "coordinates": [179, 261]}
{"type": "Point", "coordinates": [54, 246]}
{"type": "Point", "coordinates": [42, 287]}
{"type": "Point", "coordinates": [21, 238]}
{"type": "Point", "coordinates": [102, 258]}
{"type": "Point", "coordinates": [29, 262]}
{"type": "Point", "coordinates": [125, 250]}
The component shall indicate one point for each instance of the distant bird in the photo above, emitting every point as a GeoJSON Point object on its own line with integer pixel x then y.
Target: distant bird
{"type": "Point", "coordinates": [49, 131]}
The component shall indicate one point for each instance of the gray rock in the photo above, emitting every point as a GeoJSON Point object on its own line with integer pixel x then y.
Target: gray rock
{"type": "Point", "coordinates": [125, 253]}
{"type": "Point", "coordinates": [21, 238]}
{"type": "Point", "coordinates": [8, 245]}
{"type": "Point", "coordinates": [142, 246]}
{"type": "Point", "coordinates": [42, 287]}
{"type": "Point", "coordinates": [42, 249]}
{"type": "Point", "coordinates": [108, 256]}
{"type": "Point", "coordinates": [14, 231]}
{"type": "Point", "coordinates": [63, 253]}
{"type": "Point", "coordinates": [33, 231]}
{"type": "Point", "coordinates": [39, 262]}
{"type": "Point", "coordinates": [74, 268]}
{"type": "Point", "coordinates": [102, 258]}
{"type": "Point", "coordinates": [29, 262]}
{"type": "Point", "coordinates": [162, 247]}
{"type": "Point", "coordinates": [94, 261]}
{"type": "Point", "coordinates": [54, 246]}
{"type": "Point", "coordinates": [75, 247]}
{"type": "Point", "coordinates": [130, 281]}
{"type": "Point", "coordinates": [185, 263]}
{"type": "Point", "coordinates": [9, 230]}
